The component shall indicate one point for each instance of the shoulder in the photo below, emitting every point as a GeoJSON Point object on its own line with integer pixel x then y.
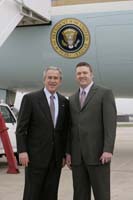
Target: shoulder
{"type": "Point", "coordinates": [106, 94]}
{"type": "Point", "coordinates": [73, 95]}
{"type": "Point", "coordinates": [62, 97]}
{"type": "Point", "coordinates": [102, 89]}
{"type": "Point", "coordinates": [33, 95]}
{"type": "Point", "coordinates": [63, 101]}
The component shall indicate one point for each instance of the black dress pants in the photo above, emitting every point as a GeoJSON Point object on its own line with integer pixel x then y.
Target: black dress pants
{"type": "Point", "coordinates": [42, 183]}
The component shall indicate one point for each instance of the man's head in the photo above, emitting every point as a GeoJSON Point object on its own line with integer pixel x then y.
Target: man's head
{"type": "Point", "coordinates": [84, 74]}
{"type": "Point", "coordinates": [52, 77]}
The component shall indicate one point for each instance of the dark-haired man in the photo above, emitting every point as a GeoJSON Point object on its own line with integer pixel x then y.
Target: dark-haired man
{"type": "Point", "coordinates": [92, 136]}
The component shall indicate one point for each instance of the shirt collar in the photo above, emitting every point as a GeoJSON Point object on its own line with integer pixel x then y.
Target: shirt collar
{"type": "Point", "coordinates": [87, 89]}
{"type": "Point", "coordinates": [48, 94]}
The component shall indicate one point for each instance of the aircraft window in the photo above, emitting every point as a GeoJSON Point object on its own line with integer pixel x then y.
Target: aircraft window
{"type": "Point", "coordinates": [8, 117]}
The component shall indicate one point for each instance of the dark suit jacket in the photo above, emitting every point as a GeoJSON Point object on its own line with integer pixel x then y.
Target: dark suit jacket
{"type": "Point", "coordinates": [93, 127]}
{"type": "Point", "coordinates": [35, 131]}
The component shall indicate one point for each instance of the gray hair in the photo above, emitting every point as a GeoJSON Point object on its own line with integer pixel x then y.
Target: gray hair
{"type": "Point", "coordinates": [52, 68]}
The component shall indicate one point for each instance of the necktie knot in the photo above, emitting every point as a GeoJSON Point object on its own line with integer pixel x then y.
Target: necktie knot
{"type": "Point", "coordinates": [83, 92]}
{"type": "Point", "coordinates": [52, 97]}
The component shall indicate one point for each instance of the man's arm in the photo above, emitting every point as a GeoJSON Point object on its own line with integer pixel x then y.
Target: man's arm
{"type": "Point", "coordinates": [22, 130]}
{"type": "Point", "coordinates": [109, 123]}
{"type": "Point", "coordinates": [68, 149]}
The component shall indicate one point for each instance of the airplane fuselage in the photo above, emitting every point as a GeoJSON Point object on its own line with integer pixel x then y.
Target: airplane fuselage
{"type": "Point", "coordinates": [110, 51]}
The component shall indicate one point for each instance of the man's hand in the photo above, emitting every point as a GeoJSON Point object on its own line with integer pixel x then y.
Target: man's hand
{"type": "Point", "coordinates": [106, 157]}
{"type": "Point", "coordinates": [24, 159]}
{"type": "Point", "coordinates": [68, 161]}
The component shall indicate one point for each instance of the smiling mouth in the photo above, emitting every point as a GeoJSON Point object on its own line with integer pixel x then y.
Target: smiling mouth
{"type": "Point", "coordinates": [83, 79]}
{"type": "Point", "coordinates": [52, 85]}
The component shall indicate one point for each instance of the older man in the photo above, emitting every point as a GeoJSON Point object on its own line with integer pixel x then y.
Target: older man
{"type": "Point", "coordinates": [41, 137]}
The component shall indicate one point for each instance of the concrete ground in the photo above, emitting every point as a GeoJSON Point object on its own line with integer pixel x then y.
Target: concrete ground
{"type": "Point", "coordinates": [11, 185]}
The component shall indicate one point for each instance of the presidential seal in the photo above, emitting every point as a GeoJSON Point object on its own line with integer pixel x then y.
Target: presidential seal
{"type": "Point", "coordinates": [70, 38]}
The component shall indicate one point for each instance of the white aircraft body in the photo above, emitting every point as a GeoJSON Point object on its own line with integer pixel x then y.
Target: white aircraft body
{"type": "Point", "coordinates": [100, 34]}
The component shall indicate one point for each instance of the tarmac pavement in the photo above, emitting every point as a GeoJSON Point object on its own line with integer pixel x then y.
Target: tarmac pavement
{"type": "Point", "coordinates": [11, 185]}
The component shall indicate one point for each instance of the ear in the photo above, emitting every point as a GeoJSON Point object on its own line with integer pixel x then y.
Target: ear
{"type": "Point", "coordinates": [60, 82]}
{"type": "Point", "coordinates": [92, 76]}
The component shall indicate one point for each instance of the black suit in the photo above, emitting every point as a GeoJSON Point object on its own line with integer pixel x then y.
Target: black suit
{"type": "Point", "coordinates": [44, 144]}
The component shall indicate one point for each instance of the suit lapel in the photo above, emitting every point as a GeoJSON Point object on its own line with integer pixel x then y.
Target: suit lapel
{"type": "Point", "coordinates": [60, 102]}
{"type": "Point", "coordinates": [88, 98]}
{"type": "Point", "coordinates": [77, 100]}
{"type": "Point", "coordinates": [90, 95]}
{"type": "Point", "coordinates": [44, 105]}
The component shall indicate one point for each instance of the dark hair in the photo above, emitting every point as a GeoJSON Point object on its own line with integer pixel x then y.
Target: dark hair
{"type": "Point", "coordinates": [85, 64]}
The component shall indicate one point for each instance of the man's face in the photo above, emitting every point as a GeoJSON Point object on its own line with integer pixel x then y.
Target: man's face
{"type": "Point", "coordinates": [83, 76]}
{"type": "Point", "coordinates": [52, 80]}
